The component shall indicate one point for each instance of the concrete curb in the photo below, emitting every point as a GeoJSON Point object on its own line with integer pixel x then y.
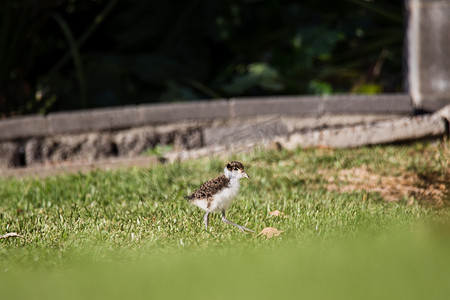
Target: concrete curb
{"type": "Point", "coordinates": [163, 113]}
{"type": "Point", "coordinates": [151, 114]}
{"type": "Point", "coordinates": [246, 107]}
{"type": "Point", "coordinates": [24, 127]}
{"type": "Point", "coordinates": [92, 120]}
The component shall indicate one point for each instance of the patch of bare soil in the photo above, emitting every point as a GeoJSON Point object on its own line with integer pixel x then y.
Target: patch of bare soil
{"type": "Point", "coordinates": [428, 189]}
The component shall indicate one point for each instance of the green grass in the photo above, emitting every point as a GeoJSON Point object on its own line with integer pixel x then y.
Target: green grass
{"type": "Point", "coordinates": [130, 234]}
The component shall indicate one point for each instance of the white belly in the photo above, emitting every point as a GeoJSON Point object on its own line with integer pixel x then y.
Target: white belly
{"type": "Point", "coordinates": [223, 199]}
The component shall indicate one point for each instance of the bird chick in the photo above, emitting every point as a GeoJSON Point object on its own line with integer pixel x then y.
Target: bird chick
{"type": "Point", "coordinates": [216, 194]}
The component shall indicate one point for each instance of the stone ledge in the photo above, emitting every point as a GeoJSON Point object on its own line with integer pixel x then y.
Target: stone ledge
{"type": "Point", "coordinates": [24, 127]}
{"type": "Point", "coordinates": [281, 132]}
{"type": "Point", "coordinates": [374, 104]}
{"type": "Point", "coordinates": [269, 126]}
{"type": "Point", "coordinates": [150, 114]}
{"type": "Point", "coordinates": [403, 129]}
{"type": "Point", "coordinates": [286, 105]}
{"type": "Point", "coordinates": [163, 113]}
{"type": "Point", "coordinates": [92, 120]}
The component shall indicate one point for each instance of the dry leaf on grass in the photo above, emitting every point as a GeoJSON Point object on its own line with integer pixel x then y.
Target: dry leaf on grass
{"type": "Point", "coordinates": [270, 232]}
{"type": "Point", "coordinates": [10, 234]}
{"type": "Point", "coordinates": [276, 213]}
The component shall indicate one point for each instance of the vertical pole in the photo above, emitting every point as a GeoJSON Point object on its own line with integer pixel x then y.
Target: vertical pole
{"type": "Point", "coordinates": [428, 53]}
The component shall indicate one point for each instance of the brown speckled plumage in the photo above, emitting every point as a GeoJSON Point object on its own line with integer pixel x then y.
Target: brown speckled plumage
{"type": "Point", "coordinates": [209, 188]}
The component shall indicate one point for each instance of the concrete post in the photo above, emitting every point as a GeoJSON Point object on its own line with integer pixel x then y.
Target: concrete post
{"type": "Point", "coordinates": [428, 53]}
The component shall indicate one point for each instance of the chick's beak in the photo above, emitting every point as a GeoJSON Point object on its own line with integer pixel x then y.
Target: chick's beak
{"type": "Point", "coordinates": [245, 175]}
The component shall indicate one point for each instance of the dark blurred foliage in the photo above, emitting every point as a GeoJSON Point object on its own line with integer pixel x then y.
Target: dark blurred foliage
{"type": "Point", "coordinates": [72, 54]}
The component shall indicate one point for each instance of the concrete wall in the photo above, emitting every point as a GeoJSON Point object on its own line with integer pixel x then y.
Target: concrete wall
{"type": "Point", "coordinates": [152, 114]}
{"type": "Point", "coordinates": [129, 131]}
{"type": "Point", "coordinates": [428, 53]}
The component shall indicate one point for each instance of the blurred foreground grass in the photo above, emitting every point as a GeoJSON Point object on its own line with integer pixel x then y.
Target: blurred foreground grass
{"type": "Point", "coordinates": [130, 234]}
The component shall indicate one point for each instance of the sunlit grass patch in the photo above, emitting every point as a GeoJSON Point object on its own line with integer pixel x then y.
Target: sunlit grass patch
{"type": "Point", "coordinates": [131, 232]}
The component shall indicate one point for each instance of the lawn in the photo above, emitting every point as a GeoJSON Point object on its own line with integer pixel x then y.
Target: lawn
{"type": "Point", "coordinates": [364, 223]}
